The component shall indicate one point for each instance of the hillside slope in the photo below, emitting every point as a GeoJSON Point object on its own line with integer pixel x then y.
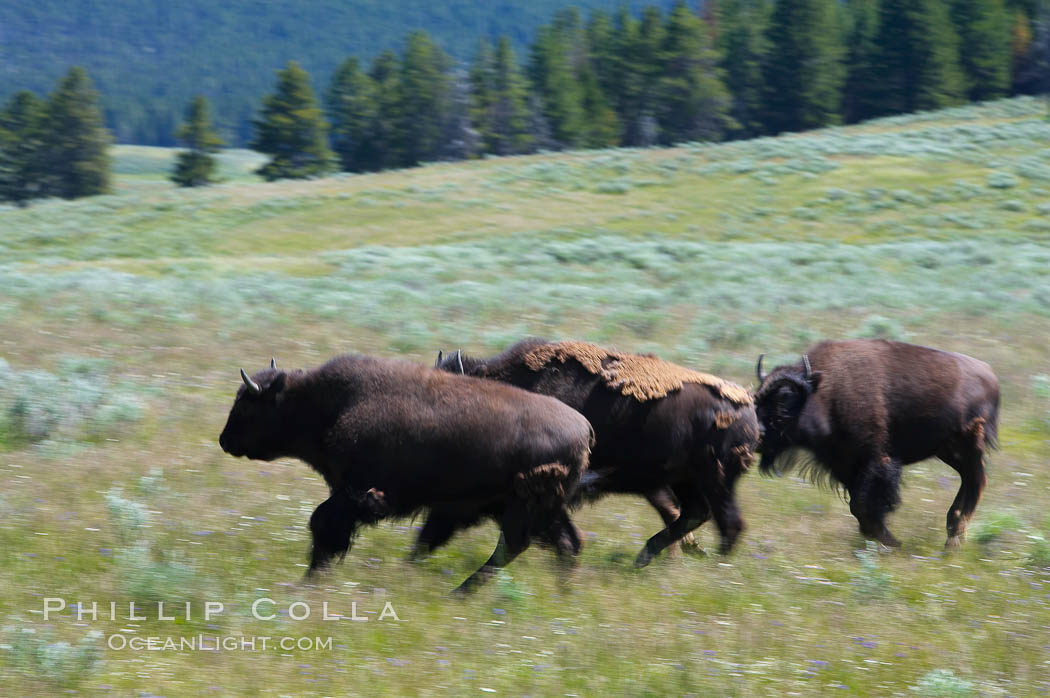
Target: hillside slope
{"type": "Point", "coordinates": [125, 318]}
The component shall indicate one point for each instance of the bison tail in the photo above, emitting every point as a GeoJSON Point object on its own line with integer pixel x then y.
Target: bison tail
{"type": "Point", "coordinates": [991, 430]}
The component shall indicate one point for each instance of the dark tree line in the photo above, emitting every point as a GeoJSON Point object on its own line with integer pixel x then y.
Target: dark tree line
{"type": "Point", "coordinates": [708, 71]}
{"type": "Point", "coordinates": [722, 69]}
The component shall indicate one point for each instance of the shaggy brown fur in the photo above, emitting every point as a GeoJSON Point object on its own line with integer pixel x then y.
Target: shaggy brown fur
{"type": "Point", "coordinates": [854, 412]}
{"type": "Point", "coordinates": [393, 439]}
{"type": "Point", "coordinates": [641, 376]}
{"type": "Point", "coordinates": [678, 437]}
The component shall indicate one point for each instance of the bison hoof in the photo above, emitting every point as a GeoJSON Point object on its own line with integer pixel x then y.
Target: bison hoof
{"type": "Point", "coordinates": [693, 548]}
{"type": "Point", "coordinates": [953, 542]}
{"type": "Point", "coordinates": [643, 559]}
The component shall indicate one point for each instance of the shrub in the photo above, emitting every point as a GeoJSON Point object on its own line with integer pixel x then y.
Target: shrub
{"type": "Point", "coordinates": [943, 683]}
{"type": "Point", "coordinates": [78, 403]}
{"type": "Point", "coordinates": [62, 663]}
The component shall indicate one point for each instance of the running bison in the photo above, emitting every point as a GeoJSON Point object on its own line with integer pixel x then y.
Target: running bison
{"type": "Point", "coordinates": [393, 438]}
{"type": "Point", "coordinates": [855, 412]}
{"type": "Point", "coordinates": [678, 437]}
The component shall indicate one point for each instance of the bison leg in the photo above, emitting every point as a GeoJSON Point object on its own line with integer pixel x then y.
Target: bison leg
{"type": "Point", "coordinates": [513, 540]}
{"type": "Point", "coordinates": [437, 530]}
{"type": "Point", "coordinates": [564, 536]}
{"type": "Point", "coordinates": [719, 481]}
{"type": "Point", "coordinates": [694, 512]}
{"type": "Point", "coordinates": [332, 526]}
{"type": "Point", "coordinates": [666, 503]}
{"type": "Point", "coordinates": [874, 494]}
{"type": "Point", "coordinates": [968, 460]}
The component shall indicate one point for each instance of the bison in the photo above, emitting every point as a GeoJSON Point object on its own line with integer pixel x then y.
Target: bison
{"type": "Point", "coordinates": [678, 437]}
{"type": "Point", "coordinates": [854, 412]}
{"type": "Point", "coordinates": [392, 438]}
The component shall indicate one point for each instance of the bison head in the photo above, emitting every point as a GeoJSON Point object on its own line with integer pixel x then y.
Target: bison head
{"type": "Point", "coordinates": [253, 427]}
{"type": "Point", "coordinates": [780, 399]}
{"type": "Point", "coordinates": [452, 362]}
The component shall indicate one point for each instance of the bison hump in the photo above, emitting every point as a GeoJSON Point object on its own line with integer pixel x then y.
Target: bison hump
{"type": "Point", "coordinates": [640, 376]}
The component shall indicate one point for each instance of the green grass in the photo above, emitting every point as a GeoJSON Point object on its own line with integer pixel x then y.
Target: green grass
{"type": "Point", "coordinates": [126, 317]}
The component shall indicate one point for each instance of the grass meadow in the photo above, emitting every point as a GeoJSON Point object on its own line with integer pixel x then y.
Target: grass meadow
{"type": "Point", "coordinates": [124, 319]}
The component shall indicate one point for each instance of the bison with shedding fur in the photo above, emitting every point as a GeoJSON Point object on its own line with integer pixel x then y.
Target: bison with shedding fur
{"type": "Point", "coordinates": [393, 438]}
{"type": "Point", "coordinates": [678, 437]}
{"type": "Point", "coordinates": [857, 411]}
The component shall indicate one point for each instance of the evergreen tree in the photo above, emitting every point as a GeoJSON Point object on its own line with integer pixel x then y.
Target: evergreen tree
{"type": "Point", "coordinates": [621, 75]}
{"type": "Point", "coordinates": [292, 130]}
{"type": "Point", "coordinates": [918, 57]}
{"type": "Point", "coordinates": [601, 127]}
{"type": "Point", "coordinates": [1033, 68]}
{"type": "Point", "coordinates": [803, 71]}
{"type": "Point", "coordinates": [501, 102]}
{"type": "Point", "coordinates": [693, 101]}
{"type": "Point", "coordinates": [21, 148]}
{"type": "Point", "coordinates": [647, 54]}
{"type": "Point", "coordinates": [460, 140]}
{"type": "Point", "coordinates": [860, 94]}
{"type": "Point", "coordinates": [424, 91]}
{"type": "Point", "coordinates": [195, 166]}
{"type": "Point", "coordinates": [482, 89]}
{"type": "Point", "coordinates": [984, 34]}
{"type": "Point", "coordinates": [77, 143]}
{"type": "Point", "coordinates": [351, 102]}
{"type": "Point", "coordinates": [385, 74]}
{"type": "Point", "coordinates": [741, 40]}
{"type": "Point", "coordinates": [555, 82]}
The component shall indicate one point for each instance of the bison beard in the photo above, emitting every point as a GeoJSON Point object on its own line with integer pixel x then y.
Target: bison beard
{"type": "Point", "coordinates": [854, 412]}
{"type": "Point", "coordinates": [393, 439]}
{"type": "Point", "coordinates": [678, 437]}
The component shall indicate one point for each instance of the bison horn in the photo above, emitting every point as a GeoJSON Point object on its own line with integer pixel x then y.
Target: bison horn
{"type": "Point", "coordinates": [758, 369]}
{"type": "Point", "coordinates": [253, 387]}
{"type": "Point", "coordinates": [805, 364]}
{"type": "Point", "coordinates": [459, 361]}
{"type": "Point", "coordinates": [441, 355]}
{"type": "Point", "coordinates": [273, 362]}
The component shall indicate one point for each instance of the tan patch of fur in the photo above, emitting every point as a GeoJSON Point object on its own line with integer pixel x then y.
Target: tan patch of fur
{"type": "Point", "coordinates": [976, 429]}
{"type": "Point", "coordinates": [543, 480]}
{"type": "Point", "coordinates": [643, 377]}
{"type": "Point", "coordinates": [744, 455]}
{"type": "Point", "coordinates": [723, 420]}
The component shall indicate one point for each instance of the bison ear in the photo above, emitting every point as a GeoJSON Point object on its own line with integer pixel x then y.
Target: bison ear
{"type": "Point", "coordinates": [814, 380]}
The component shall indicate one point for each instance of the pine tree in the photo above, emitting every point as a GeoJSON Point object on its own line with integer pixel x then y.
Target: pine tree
{"type": "Point", "coordinates": [693, 101]}
{"type": "Point", "coordinates": [601, 127]}
{"type": "Point", "coordinates": [195, 166]}
{"type": "Point", "coordinates": [292, 130]}
{"type": "Point", "coordinates": [984, 34]}
{"type": "Point", "coordinates": [918, 57]}
{"type": "Point", "coordinates": [647, 54]}
{"type": "Point", "coordinates": [482, 89]}
{"type": "Point", "coordinates": [1033, 70]}
{"type": "Point", "coordinates": [741, 40]}
{"type": "Point", "coordinates": [508, 107]}
{"type": "Point", "coordinates": [860, 93]}
{"type": "Point", "coordinates": [351, 102]}
{"type": "Point", "coordinates": [77, 150]}
{"type": "Point", "coordinates": [22, 147]}
{"type": "Point", "coordinates": [383, 139]}
{"type": "Point", "coordinates": [424, 90]}
{"type": "Point", "coordinates": [617, 71]}
{"type": "Point", "coordinates": [803, 71]}
{"type": "Point", "coordinates": [556, 84]}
